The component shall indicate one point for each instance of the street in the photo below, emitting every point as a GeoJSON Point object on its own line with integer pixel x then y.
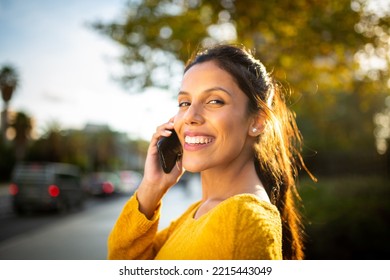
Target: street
{"type": "Point", "coordinates": [80, 235]}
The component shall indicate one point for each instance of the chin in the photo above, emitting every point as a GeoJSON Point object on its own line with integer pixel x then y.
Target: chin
{"type": "Point", "coordinates": [193, 167]}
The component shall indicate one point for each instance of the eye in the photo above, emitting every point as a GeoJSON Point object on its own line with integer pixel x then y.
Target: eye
{"type": "Point", "coordinates": [184, 104]}
{"type": "Point", "coordinates": [216, 102]}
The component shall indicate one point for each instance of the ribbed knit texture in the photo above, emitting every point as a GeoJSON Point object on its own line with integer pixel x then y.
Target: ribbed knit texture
{"type": "Point", "coordinates": [241, 227]}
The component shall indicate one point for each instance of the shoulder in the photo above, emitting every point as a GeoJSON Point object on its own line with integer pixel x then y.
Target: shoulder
{"type": "Point", "coordinates": [249, 205]}
{"type": "Point", "coordinates": [253, 218]}
{"type": "Point", "coordinates": [247, 212]}
{"type": "Point", "coordinates": [257, 228]}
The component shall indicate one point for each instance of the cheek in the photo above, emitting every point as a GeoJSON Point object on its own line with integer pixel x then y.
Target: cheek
{"type": "Point", "coordinates": [177, 117]}
{"type": "Point", "coordinates": [233, 123]}
{"type": "Point", "coordinates": [232, 134]}
{"type": "Point", "coordinates": [178, 121]}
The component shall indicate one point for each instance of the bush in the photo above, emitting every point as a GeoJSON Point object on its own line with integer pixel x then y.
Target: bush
{"type": "Point", "coordinates": [347, 218]}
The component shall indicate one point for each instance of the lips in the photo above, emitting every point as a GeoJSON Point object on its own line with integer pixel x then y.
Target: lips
{"type": "Point", "coordinates": [192, 140]}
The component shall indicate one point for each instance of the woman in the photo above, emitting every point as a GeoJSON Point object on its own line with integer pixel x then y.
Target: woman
{"type": "Point", "coordinates": [237, 132]}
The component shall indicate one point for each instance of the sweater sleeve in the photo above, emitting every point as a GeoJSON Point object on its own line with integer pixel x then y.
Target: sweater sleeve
{"type": "Point", "coordinates": [133, 235]}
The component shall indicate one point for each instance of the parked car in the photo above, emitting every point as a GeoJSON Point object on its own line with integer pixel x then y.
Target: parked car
{"type": "Point", "coordinates": [46, 185]}
{"type": "Point", "coordinates": [101, 183]}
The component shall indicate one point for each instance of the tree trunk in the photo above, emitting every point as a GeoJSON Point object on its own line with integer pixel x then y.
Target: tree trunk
{"type": "Point", "coordinates": [4, 122]}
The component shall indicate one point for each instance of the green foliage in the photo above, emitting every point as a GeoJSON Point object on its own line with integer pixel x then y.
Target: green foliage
{"type": "Point", "coordinates": [22, 126]}
{"type": "Point", "coordinates": [101, 150]}
{"type": "Point", "coordinates": [9, 80]}
{"type": "Point", "coordinates": [347, 217]}
{"type": "Point", "coordinates": [312, 48]}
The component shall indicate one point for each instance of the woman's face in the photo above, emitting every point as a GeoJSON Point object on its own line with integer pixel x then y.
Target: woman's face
{"type": "Point", "coordinates": [212, 122]}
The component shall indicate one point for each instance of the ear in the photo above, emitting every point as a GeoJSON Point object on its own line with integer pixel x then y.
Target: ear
{"type": "Point", "coordinates": [257, 124]}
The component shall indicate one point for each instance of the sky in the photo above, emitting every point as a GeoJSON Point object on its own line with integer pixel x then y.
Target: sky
{"type": "Point", "coordinates": [65, 68]}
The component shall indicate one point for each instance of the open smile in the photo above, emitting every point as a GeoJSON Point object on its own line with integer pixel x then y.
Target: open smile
{"type": "Point", "coordinates": [193, 140]}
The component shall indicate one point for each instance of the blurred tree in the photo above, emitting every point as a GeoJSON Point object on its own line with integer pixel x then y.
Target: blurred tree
{"type": "Point", "coordinates": [22, 125]}
{"type": "Point", "coordinates": [9, 81]}
{"type": "Point", "coordinates": [54, 146]}
{"type": "Point", "coordinates": [382, 130]}
{"type": "Point", "coordinates": [322, 48]}
{"type": "Point", "coordinates": [91, 149]}
{"type": "Point", "coordinates": [75, 148]}
{"type": "Point", "coordinates": [102, 150]}
{"type": "Point", "coordinates": [50, 147]}
{"type": "Point", "coordinates": [382, 133]}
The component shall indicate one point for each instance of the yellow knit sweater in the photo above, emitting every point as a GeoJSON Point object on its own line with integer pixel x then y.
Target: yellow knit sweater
{"type": "Point", "coordinates": [241, 227]}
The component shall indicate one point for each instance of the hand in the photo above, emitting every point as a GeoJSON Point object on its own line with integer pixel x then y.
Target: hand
{"type": "Point", "coordinates": [156, 182]}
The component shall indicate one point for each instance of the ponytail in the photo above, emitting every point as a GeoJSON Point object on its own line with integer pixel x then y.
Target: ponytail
{"type": "Point", "coordinates": [277, 163]}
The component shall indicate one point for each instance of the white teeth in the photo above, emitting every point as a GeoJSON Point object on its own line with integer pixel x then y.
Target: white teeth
{"type": "Point", "coordinates": [197, 140]}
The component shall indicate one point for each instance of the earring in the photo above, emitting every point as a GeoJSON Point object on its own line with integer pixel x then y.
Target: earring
{"type": "Point", "coordinates": [254, 130]}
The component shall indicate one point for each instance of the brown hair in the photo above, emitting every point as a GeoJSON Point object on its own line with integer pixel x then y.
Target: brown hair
{"type": "Point", "coordinates": [277, 149]}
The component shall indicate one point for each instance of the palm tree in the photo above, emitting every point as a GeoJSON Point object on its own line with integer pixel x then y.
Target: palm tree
{"type": "Point", "coordinates": [9, 81]}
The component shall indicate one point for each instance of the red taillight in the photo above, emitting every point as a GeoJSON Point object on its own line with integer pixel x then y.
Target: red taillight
{"type": "Point", "coordinates": [53, 190]}
{"type": "Point", "coordinates": [108, 187]}
{"type": "Point", "coordinates": [13, 189]}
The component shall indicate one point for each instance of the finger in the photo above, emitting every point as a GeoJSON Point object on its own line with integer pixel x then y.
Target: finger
{"type": "Point", "coordinates": [164, 130]}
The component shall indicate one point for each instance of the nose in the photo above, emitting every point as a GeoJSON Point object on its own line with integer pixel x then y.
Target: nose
{"type": "Point", "coordinates": [193, 115]}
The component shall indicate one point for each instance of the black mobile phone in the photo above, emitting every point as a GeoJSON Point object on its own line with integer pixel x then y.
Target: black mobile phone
{"type": "Point", "coordinates": [169, 151]}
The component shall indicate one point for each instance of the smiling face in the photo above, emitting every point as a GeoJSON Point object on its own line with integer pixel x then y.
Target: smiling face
{"type": "Point", "coordinates": [213, 123]}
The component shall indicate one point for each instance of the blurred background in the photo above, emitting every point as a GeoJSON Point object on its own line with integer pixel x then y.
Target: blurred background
{"type": "Point", "coordinates": [85, 83]}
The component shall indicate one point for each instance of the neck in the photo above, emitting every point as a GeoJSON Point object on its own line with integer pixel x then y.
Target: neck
{"type": "Point", "coordinates": [223, 182]}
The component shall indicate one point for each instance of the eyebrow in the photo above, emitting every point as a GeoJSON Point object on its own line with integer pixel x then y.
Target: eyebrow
{"type": "Point", "coordinates": [208, 90]}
